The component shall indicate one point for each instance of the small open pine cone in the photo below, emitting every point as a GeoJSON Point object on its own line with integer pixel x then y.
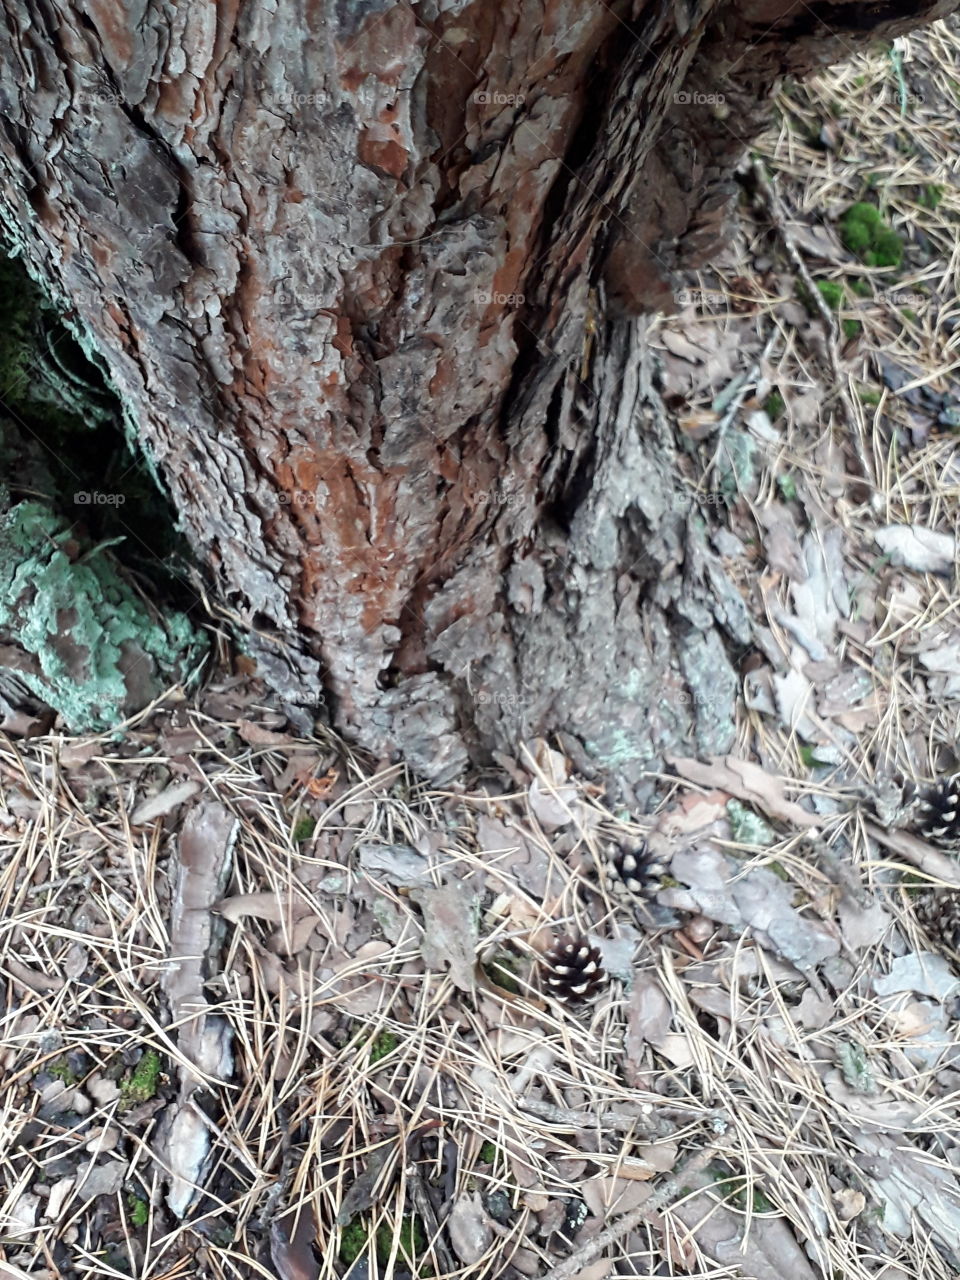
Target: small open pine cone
{"type": "Point", "coordinates": [637, 870]}
{"type": "Point", "coordinates": [572, 969]}
{"type": "Point", "coordinates": [938, 913]}
{"type": "Point", "coordinates": [938, 813]}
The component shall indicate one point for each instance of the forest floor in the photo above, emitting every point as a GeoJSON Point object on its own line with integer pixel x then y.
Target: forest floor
{"type": "Point", "coordinates": [768, 1083]}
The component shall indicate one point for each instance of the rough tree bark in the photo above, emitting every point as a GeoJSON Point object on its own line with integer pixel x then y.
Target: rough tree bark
{"type": "Point", "coordinates": [363, 274]}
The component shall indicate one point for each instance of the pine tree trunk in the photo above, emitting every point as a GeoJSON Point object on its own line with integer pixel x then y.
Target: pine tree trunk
{"type": "Point", "coordinates": [365, 278]}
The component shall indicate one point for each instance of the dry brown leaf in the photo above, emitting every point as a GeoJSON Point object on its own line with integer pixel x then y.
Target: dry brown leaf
{"type": "Point", "coordinates": [469, 1228]}
{"type": "Point", "coordinates": [781, 541]}
{"type": "Point", "coordinates": [636, 1169]}
{"type": "Point", "coordinates": [680, 346]}
{"type": "Point", "coordinates": [553, 806]}
{"type": "Point", "coordinates": [265, 906]}
{"type": "Point", "coordinates": [747, 781]}
{"type": "Point", "coordinates": [694, 812]}
{"type": "Point", "coordinates": [605, 1195]}
{"type": "Point", "coordinates": [849, 1203]}
{"type": "Point", "coordinates": [769, 1252]}
{"type": "Point", "coordinates": [320, 788]}
{"type": "Point", "coordinates": [257, 736]}
{"type": "Point", "coordinates": [450, 930]}
{"type": "Point", "coordinates": [291, 940]}
{"type": "Point", "coordinates": [512, 852]}
{"type": "Point", "coordinates": [648, 1022]}
{"type": "Point", "coordinates": [397, 864]}
{"type": "Point", "coordinates": [598, 1270]}
{"type": "Point", "coordinates": [918, 548]}
{"type": "Point", "coordinates": [164, 802]}
{"type": "Point", "coordinates": [291, 1244]}
{"type": "Point", "coordinates": [30, 978]}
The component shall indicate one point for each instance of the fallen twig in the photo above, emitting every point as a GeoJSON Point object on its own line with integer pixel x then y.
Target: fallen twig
{"type": "Point", "coordinates": [647, 1121]}
{"type": "Point", "coordinates": [667, 1191]}
{"type": "Point", "coordinates": [918, 852]}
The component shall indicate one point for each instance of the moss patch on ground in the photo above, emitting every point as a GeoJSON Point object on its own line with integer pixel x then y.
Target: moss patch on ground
{"type": "Point", "coordinates": [355, 1240]}
{"type": "Point", "coordinates": [141, 1085]}
{"type": "Point", "coordinates": [864, 232]}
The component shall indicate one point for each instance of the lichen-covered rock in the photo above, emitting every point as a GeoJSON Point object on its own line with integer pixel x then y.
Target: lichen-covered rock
{"type": "Point", "coordinates": [74, 630]}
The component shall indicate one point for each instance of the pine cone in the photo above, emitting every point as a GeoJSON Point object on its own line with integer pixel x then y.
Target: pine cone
{"type": "Point", "coordinates": [938, 813]}
{"type": "Point", "coordinates": [938, 913]}
{"type": "Point", "coordinates": [638, 870]}
{"type": "Point", "coordinates": [573, 970]}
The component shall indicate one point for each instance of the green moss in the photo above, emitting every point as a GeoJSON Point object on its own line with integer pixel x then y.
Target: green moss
{"type": "Point", "coordinates": [868, 395]}
{"type": "Point", "coordinates": [909, 314]}
{"type": "Point", "coordinates": [862, 288]}
{"type": "Point", "coordinates": [384, 1044]}
{"type": "Point", "coordinates": [139, 1211]}
{"type": "Point", "coordinates": [787, 486]}
{"type": "Point", "coordinates": [887, 249]}
{"type": "Point", "coordinates": [857, 227]}
{"type": "Point", "coordinates": [488, 1153]}
{"type": "Point", "coordinates": [63, 1071]}
{"type": "Point", "coordinates": [303, 828]}
{"type": "Point", "coordinates": [832, 293]}
{"type": "Point", "coordinates": [141, 1084]}
{"type": "Point", "coordinates": [807, 757]}
{"type": "Point", "coordinates": [412, 1240]}
{"type": "Point", "coordinates": [73, 613]}
{"type": "Point", "coordinates": [501, 969]}
{"type": "Point", "coordinates": [734, 1190]}
{"type": "Point", "coordinates": [865, 234]}
{"type": "Point", "coordinates": [355, 1240]}
{"type": "Point", "coordinates": [774, 405]}
{"type": "Point", "coordinates": [850, 328]}
{"type": "Point", "coordinates": [931, 195]}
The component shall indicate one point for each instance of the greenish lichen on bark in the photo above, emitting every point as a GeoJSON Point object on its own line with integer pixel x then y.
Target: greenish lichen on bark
{"type": "Point", "coordinates": [73, 629]}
